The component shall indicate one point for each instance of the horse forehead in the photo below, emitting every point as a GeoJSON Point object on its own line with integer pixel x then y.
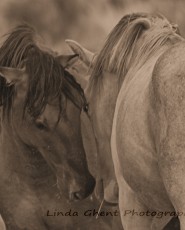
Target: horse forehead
{"type": "Point", "coordinates": [51, 109]}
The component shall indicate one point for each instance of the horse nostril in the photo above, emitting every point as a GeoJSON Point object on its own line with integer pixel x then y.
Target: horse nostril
{"type": "Point", "coordinates": [82, 194]}
{"type": "Point", "coordinates": [77, 196]}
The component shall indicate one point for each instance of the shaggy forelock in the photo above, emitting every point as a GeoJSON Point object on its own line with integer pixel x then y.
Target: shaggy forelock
{"type": "Point", "coordinates": [47, 78]}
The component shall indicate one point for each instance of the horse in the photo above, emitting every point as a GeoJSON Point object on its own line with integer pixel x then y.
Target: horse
{"type": "Point", "coordinates": [135, 96]}
{"type": "Point", "coordinates": [81, 70]}
{"type": "Point", "coordinates": [42, 156]}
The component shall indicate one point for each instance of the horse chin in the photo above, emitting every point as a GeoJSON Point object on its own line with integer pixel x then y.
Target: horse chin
{"type": "Point", "coordinates": [111, 193]}
{"type": "Point", "coordinates": [107, 192]}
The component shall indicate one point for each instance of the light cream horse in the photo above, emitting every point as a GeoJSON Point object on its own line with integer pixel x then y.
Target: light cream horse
{"type": "Point", "coordinates": [136, 98]}
{"type": "Point", "coordinates": [2, 225]}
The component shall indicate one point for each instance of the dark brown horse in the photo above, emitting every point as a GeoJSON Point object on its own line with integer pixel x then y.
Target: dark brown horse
{"type": "Point", "coordinates": [41, 149]}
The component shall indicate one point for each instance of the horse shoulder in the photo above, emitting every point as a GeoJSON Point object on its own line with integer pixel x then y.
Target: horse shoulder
{"type": "Point", "coordinates": [168, 82]}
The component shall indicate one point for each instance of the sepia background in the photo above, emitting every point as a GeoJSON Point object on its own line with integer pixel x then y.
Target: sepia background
{"type": "Point", "coordinates": [86, 21]}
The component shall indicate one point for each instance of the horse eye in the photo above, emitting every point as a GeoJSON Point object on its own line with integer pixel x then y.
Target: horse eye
{"type": "Point", "coordinates": [41, 125]}
{"type": "Point", "coordinates": [86, 108]}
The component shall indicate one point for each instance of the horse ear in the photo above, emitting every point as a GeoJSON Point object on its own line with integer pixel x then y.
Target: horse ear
{"type": "Point", "coordinates": [67, 60]}
{"type": "Point", "coordinates": [85, 55]}
{"type": "Point", "coordinates": [12, 75]}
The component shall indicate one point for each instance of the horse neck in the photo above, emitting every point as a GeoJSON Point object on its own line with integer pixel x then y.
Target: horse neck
{"type": "Point", "coordinates": [104, 96]}
{"type": "Point", "coordinates": [102, 101]}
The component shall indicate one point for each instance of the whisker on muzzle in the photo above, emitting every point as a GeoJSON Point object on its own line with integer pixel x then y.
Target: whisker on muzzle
{"type": "Point", "coordinates": [99, 209]}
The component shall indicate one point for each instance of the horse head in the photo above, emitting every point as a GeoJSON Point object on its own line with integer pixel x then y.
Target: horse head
{"type": "Point", "coordinates": [42, 104]}
{"type": "Point", "coordinates": [81, 68]}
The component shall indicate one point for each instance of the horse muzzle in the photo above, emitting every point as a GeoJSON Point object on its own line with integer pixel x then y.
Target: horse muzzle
{"type": "Point", "coordinates": [77, 190]}
{"type": "Point", "coordinates": [107, 192]}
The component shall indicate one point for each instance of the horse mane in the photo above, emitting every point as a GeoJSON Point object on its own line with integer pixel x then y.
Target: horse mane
{"type": "Point", "coordinates": [118, 54]}
{"type": "Point", "coordinates": [47, 78]}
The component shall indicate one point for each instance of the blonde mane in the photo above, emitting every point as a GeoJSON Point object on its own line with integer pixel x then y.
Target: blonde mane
{"type": "Point", "coordinates": [119, 54]}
